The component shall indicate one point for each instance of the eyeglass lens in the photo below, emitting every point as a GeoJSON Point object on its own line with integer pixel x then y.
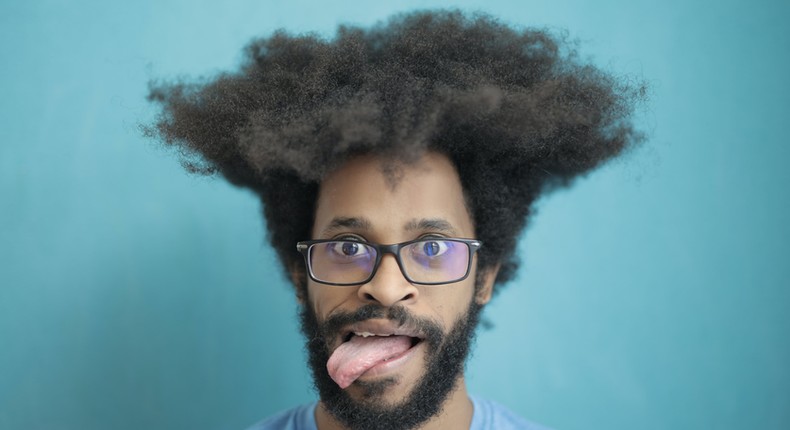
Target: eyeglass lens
{"type": "Point", "coordinates": [425, 261]}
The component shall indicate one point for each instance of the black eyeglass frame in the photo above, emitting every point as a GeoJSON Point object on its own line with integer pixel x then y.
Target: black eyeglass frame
{"type": "Point", "coordinates": [304, 247]}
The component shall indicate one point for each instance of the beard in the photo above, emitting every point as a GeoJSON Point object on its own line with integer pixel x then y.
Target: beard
{"type": "Point", "coordinates": [446, 355]}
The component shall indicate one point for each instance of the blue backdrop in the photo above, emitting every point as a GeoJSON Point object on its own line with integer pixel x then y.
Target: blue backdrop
{"type": "Point", "coordinates": [654, 293]}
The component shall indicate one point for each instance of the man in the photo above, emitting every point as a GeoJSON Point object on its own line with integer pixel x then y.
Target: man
{"type": "Point", "coordinates": [396, 166]}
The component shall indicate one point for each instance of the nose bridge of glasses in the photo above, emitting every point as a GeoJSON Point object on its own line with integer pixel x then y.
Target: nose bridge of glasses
{"type": "Point", "coordinates": [393, 256]}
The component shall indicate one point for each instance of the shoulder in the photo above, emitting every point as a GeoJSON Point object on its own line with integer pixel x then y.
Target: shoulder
{"type": "Point", "coordinates": [298, 418]}
{"type": "Point", "coordinates": [491, 415]}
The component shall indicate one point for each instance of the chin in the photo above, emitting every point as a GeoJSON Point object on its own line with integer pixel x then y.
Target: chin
{"type": "Point", "coordinates": [400, 395]}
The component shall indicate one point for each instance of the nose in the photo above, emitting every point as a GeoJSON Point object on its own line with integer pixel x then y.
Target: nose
{"type": "Point", "coordinates": [388, 287]}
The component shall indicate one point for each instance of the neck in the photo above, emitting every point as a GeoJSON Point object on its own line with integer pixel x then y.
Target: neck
{"type": "Point", "coordinates": [456, 413]}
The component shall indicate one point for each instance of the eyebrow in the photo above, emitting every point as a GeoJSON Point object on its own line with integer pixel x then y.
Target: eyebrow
{"type": "Point", "coordinates": [432, 224]}
{"type": "Point", "coordinates": [342, 223]}
{"type": "Point", "coordinates": [363, 224]}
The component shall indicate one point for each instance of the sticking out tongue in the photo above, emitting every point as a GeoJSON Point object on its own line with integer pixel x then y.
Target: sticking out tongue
{"type": "Point", "coordinates": [355, 357]}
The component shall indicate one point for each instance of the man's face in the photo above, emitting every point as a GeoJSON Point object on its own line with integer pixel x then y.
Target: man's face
{"type": "Point", "coordinates": [358, 202]}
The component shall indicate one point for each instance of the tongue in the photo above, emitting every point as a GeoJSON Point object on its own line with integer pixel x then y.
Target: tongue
{"type": "Point", "coordinates": [355, 357]}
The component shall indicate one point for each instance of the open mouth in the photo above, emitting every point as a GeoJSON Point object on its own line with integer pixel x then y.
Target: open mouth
{"type": "Point", "coordinates": [364, 334]}
{"type": "Point", "coordinates": [362, 350]}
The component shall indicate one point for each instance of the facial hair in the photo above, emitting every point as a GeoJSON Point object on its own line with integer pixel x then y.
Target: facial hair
{"type": "Point", "coordinates": [445, 358]}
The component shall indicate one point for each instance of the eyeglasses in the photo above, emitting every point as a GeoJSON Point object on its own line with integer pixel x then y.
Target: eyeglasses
{"type": "Point", "coordinates": [427, 261]}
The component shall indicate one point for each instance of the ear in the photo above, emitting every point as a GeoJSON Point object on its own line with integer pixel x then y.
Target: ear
{"type": "Point", "coordinates": [486, 285]}
{"type": "Point", "coordinates": [299, 281]}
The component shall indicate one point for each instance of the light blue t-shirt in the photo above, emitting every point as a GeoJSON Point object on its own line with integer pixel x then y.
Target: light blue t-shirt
{"type": "Point", "coordinates": [488, 415]}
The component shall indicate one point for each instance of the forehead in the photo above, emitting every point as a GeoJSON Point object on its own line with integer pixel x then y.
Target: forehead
{"type": "Point", "coordinates": [396, 206]}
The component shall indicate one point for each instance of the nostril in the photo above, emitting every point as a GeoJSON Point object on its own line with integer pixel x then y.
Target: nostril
{"type": "Point", "coordinates": [387, 290]}
{"type": "Point", "coordinates": [386, 300]}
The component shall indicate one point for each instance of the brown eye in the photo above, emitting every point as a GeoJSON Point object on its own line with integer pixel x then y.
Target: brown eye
{"type": "Point", "coordinates": [349, 248]}
{"type": "Point", "coordinates": [430, 248]}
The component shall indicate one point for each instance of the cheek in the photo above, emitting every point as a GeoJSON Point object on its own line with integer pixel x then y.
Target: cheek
{"type": "Point", "coordinates": [324, 299]}
{"type": "Point", "coordinates": [450, 301]}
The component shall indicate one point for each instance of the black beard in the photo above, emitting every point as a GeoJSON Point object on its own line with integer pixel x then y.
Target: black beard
{"type": "Point", "coordinates": [445, 353]}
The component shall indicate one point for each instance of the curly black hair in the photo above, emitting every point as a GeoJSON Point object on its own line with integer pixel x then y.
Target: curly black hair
{"type": "Point", "coordinates": [514, 109]}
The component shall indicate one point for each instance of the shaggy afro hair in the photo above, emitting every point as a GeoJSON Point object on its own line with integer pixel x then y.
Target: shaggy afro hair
{"type": "Point", "coordinates": [514, 109]}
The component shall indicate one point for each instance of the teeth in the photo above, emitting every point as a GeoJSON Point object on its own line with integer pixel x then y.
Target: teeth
{"type": "Point", "coordinates": [367, 334]}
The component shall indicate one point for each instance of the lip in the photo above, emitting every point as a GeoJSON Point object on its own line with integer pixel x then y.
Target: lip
{"type": "Point", "coordinates": [379, 327]}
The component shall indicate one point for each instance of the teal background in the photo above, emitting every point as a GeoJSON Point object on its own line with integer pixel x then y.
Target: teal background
{"type": "Point", "coordinates": [654, 294]}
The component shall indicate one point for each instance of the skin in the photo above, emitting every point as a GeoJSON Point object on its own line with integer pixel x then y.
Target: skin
{"type": "Point", "coordinates": [426, 200]}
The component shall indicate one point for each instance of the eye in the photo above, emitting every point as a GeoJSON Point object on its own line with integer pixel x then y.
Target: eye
{"type": "Point", "coordinates": [349, 248]}
{"type": "Point", "coordinates": [433, 248]}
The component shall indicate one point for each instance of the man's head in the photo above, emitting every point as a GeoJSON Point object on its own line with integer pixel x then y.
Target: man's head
{"type": "Point", "coordinates": [423, 331]}
{"type": "Point", "coordinates": [432, 125]}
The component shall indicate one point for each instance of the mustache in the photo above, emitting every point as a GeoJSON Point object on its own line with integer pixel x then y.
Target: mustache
{"type": "Point", "coordinates": [429, 328]}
